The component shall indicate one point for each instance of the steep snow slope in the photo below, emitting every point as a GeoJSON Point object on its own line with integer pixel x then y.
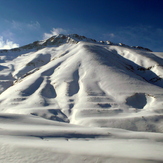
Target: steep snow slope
{"type": "Point", "coordinates": [80, 84]}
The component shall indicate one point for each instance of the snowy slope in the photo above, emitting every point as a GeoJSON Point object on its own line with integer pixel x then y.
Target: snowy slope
{"type": "Point", "coordinates": [84, 93]}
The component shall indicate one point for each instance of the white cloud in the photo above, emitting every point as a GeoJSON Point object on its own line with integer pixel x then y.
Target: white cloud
{"type": "Point", "coordinates": [33, 25]}
{"type": "Point", "coordinates": [28, 26]}
{"type": "Point", "coordinates": [16, 25]}
{"type": "Point", "coordinates": [7, 44]}
{"type": "Point", "coordinates": [54, 31]}
{"type": "Point", "coordinates": [108, 36]}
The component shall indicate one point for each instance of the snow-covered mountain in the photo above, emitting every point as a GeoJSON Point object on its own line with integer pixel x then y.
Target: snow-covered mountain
{"type": "Point", "coordinates": [71, 87]}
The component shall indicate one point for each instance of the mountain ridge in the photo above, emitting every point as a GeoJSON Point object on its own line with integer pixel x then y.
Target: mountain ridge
{"type": "Point", "coordinates": [70, 38]}
{"type": "Point", "coordinates": [82, 82]}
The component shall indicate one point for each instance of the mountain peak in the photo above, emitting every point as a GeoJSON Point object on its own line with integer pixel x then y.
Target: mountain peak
{"type": "Point", "coordinates": [70, 38]}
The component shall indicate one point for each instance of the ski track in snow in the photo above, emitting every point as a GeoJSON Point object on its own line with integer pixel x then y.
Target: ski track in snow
{"type": "Point", "coordinates": [81, 101]}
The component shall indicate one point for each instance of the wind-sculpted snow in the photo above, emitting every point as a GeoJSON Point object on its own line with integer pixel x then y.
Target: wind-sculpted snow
{"type": "Point", "coordinates": [86, 94]}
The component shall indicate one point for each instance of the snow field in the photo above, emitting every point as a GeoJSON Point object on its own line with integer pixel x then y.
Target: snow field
{"type": "Point", "coordinates": [81, 101]}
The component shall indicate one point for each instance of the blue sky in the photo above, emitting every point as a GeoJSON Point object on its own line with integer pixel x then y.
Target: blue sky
{"type": "Point", "coordinates": [133, 22]}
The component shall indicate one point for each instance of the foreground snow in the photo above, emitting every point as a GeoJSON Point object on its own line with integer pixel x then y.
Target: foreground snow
{"type": "Point", "coordinates": [32, 139]}
{"type": "Point", "coordinates": [72, 99]}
